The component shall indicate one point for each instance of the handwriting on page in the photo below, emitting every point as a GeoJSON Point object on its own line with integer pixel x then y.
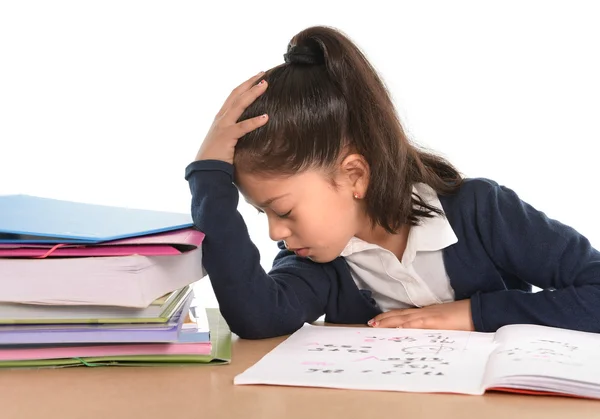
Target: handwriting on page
{"type": "Point", "coordinates": [402, 366]}
{"type": "Point", "coordinates": [552, 351]}
{"type": "Point", "coordinates": [413, 355]}
{"type": "Point", "coordinates": [337, 348]}
{"type": "Point", "coordinates": [384, 359]}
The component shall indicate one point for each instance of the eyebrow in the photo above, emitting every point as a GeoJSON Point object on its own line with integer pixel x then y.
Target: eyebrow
{"type": "Point", "coordinates": [271, 200]}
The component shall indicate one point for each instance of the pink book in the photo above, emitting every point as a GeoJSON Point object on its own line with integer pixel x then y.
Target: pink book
{"type": "Point", "coordinates": [161, 244]}
{"type": "Point", "coordinates": [25, 354]}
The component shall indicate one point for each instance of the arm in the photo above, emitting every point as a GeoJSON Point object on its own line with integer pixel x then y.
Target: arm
{"type": "Point", "coordinates": [254, 304]}
{"type": "Point", "coordinates": [543, 252]}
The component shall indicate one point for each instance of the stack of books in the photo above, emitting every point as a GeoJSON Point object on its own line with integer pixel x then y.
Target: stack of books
{"type": "Point", "coordinates": [84, 284]}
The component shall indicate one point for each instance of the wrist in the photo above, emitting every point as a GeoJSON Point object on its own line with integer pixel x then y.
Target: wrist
{"type": "Point", "coordinates": [209, 165]}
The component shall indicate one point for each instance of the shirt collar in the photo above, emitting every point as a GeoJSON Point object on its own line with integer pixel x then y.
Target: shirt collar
{"type": "Point", "coordinates": [431, 234]}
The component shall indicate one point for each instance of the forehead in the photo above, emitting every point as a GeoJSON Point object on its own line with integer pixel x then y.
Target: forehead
{"type": "Point", "coordinates": [262, 187]}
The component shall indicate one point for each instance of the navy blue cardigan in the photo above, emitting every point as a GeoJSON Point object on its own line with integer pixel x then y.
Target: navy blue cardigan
{"type": "Point", "coordinates": [504, 246]}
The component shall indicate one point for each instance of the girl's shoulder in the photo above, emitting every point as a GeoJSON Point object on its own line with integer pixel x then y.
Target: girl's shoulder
{"type": "Point", "coordinates": [478, 196]}
{"type": "Point", "coordinates": [478, 186]}
{"type": "Point", "coordinates": [472, 190]}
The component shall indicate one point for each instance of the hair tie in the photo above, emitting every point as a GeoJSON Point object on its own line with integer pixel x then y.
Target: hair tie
{"type": "Point", "coordinates": [299, 54]}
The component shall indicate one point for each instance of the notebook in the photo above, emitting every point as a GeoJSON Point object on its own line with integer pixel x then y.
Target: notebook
{"type": "Point", "coordinates": [171, 331]}
{"type": "Point", "coordinates": [128, 281]}
{"type": "Point", "coordinates": [160, 311]}
{"type": "Point", "coordinates": [220, 353]}
{"type": "Point", "coordinates": [28, 218]}
{"type": "Point", "coordinates": [130, 349]}
{"type": "Point", "coordinates": [517, 358]}
{"type": "Point", "coordinates": [168, 243]}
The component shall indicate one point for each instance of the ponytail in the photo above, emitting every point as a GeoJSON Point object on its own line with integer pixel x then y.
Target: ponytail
{"type": "Point", "coordinates": [326, 99]}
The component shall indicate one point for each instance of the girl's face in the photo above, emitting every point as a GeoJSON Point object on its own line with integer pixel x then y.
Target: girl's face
{"type": "Point", "coordinates": [314, 218]}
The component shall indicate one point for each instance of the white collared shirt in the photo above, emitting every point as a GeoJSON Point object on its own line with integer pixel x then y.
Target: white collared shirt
{"type": "Point", "coordinates": [418, 280]}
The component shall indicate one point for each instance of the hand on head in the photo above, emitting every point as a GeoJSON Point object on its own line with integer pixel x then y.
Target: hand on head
{"type": "Point", "coordinates": [225, 131]}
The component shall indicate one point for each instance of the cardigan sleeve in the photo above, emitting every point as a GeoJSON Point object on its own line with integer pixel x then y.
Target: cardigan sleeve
{"type": "Point", "coordinates": [540, 251]}
{"type": "Point", "coordinates": [254, 304]}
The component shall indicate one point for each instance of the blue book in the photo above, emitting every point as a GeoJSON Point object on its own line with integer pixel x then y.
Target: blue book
{"type": "Point", "coordinates": [31, 219]}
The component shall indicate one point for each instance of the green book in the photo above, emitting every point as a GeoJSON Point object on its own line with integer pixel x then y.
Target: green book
{"type": "Point", "coordinates": [220, 339]}
{"type": "Point", "coordinates": [160, 311]}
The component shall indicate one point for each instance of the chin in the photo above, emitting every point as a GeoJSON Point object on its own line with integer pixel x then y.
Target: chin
{"type": "Point", "coordinates": [319, 259]}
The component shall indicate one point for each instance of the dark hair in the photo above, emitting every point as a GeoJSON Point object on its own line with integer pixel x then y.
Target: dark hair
{"type": "Point", "coordinates": [327, 99]}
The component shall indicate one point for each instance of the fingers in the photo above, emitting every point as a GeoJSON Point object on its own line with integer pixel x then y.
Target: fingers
{"type": "Point", "coordinates": [392, 313]}
{"type": "Point", "coordinates": [398, 320]}
{"type": "Point", "coordinates": [244, 100]}
{"type": "Point", "coordinates": [244, 127]}
{"type": "Point", "coordinates": [238, 91]}
{"type": "Point", "coordinates": [412, 318]}
{"type": "Point", "coordinates": [420, 323]}
{"type": "Point", "coordinates": [390, 321]}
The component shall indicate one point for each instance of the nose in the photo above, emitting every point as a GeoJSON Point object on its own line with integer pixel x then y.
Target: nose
{"type": "Point", "coordinates": [278, 230]}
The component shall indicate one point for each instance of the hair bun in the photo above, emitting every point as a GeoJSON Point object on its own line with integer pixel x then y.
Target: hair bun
{"type": "Point", "coordinates": [302, 54]}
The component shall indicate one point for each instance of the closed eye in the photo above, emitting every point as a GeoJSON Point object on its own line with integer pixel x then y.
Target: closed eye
{"type": "Point", "coordinates": [286, 215]}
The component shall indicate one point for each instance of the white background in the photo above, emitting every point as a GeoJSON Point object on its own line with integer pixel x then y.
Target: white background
{"type": "Point", "coordinates": [107, 101]}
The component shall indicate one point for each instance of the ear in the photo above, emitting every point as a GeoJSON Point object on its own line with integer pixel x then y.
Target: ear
{"type": "Point", "coordinates": [354, 170]}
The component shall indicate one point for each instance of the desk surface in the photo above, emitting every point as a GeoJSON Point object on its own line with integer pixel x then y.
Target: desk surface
{"type": "Point", "coordinates": [208, 392]}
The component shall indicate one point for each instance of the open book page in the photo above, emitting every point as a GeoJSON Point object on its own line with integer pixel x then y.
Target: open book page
{"type": "Point", "coordinates": [539, 351]}
{"type": "Point", "coordinates": [376, 359]}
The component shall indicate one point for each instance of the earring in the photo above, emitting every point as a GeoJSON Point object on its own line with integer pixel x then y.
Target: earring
{"type": "Point", "coordinates": [356, 195]}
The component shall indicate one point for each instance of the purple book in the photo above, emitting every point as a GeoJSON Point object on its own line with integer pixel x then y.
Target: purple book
{"type": "Point", "coordinates": [103, 333]}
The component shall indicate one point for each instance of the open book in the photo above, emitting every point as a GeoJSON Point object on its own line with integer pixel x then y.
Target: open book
{"type": "Point", "coordinates": [523, 358]}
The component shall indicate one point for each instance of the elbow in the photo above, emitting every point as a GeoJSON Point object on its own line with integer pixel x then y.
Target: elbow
{"type": "Point", "coordinates": [249, 334]}
{"type": "Point", "coordinates": [254, 328]}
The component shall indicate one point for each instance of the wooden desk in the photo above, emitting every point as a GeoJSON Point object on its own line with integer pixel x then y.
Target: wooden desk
{"type": "Point", "coordinates": [208, 392]}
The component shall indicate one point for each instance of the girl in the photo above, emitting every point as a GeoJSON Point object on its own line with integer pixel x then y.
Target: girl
{"type": "Point", "coordinates": [371, 228]}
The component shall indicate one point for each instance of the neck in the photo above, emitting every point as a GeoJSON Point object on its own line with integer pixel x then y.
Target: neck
{"type": "Point", "coordinates": [394, 242]}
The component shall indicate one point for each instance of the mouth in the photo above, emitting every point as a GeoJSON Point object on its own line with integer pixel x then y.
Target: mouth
{"type": "Point", "coordinates": [301, 251]}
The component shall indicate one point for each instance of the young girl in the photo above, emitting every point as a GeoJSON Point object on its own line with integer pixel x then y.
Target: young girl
{"type": "Point", "coordinates": [371, 228]}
